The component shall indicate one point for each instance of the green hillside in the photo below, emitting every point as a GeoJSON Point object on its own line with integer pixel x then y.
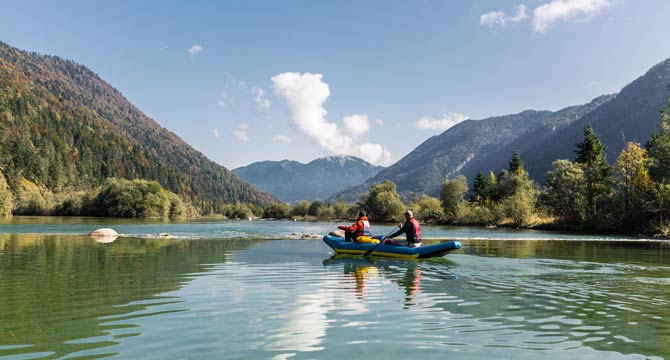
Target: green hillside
{"type": "Point", "coordinates": [63, 129]}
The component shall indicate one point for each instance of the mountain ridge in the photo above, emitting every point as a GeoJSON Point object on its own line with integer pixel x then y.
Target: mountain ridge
{"type": "Point", "coordinates": [318, 179]}
{"type": "Point", "coordinates": [84, 131]}
{"type": "Point", "coordinates": [540, 137]}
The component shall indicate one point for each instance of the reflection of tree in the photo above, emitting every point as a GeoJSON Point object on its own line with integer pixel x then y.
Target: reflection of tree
{"type": "Point", "coordinates": [57, 288]}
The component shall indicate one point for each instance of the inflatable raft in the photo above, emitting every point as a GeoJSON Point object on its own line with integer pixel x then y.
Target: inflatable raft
{"type": "Point", "coordinates": [400, 252]}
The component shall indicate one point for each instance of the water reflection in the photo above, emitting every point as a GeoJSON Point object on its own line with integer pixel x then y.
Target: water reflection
{"type": "Point", "coordinates": [58, 292]}
{"type": "Point", "coordinates": [68, 296]}
{"type": "Point", "coordinates": [406, 274]}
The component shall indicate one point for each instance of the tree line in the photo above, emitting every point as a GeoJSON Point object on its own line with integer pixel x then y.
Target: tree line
{"type": "Point", "coordinates": [584, 193]}
{"type": "Point", "coordinates": [632, 195]}
{"type": "Point", "coordinates": [115, 198]}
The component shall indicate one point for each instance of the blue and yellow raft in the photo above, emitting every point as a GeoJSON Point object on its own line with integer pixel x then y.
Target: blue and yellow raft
{"type": "Point", "coordinates": [399, 252]}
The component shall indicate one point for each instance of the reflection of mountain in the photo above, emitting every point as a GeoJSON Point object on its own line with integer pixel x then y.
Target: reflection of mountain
{"type": "Point", "coordinates": [56, 289]}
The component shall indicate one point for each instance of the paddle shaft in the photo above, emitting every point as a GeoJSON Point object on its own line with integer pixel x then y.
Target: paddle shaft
{"type": "Point", "coordinates": [367, 253]}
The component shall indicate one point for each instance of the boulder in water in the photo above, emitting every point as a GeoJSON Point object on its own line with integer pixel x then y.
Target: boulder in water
{"type": "Point", "coordinates": [104, 235]}
{"type": "Point", "coordinates": [103, 232]}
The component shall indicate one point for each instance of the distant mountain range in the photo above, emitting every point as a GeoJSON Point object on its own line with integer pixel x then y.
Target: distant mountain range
{"type": "Point", "coordinates": [319, 179]}
{"type": "Point", "coordinates": [64, 128]}
{"type": "Point", "coordinates": [540, 137]}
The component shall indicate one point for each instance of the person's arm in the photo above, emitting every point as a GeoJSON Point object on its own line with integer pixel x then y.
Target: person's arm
{"type": "Point", "coordinates": [351, 228]}
{"type": "Point", "coordinates": [402, 230]}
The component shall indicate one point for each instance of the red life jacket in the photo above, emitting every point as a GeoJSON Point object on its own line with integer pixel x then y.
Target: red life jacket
{"type": "Point", "coordinates": [417, 230]}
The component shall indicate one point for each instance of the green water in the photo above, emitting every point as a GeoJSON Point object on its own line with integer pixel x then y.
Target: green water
{"type": "Point", "coordinates": [66, 296]}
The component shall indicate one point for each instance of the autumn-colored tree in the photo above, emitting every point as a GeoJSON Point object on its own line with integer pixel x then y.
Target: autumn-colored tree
{"type": "Point", "coordinates": [5, 197]}
{"type": "Point", "coordinates": [632, 174]}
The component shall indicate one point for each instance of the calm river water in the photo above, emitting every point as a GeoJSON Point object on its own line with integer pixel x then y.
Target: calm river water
{"type": "Point", "coordinates": [246, 290]}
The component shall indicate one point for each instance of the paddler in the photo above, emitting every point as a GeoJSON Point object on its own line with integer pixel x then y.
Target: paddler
{"type": "Point", "coordinates": [360, 228]}
{"type": "Point", "coordinates": [411, 229]}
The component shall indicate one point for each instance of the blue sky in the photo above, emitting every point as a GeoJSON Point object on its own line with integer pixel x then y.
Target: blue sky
{"type": "Point", "coordinates": [269, 80]}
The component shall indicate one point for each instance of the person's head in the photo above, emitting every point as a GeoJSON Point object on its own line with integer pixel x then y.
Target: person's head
{"type": "Point", "coordinates": [408, 214]}
{"type": "Point", "coordinates": [361, 213]}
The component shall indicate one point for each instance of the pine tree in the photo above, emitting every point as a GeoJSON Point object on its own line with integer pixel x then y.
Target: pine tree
{"type": "Point", "coordinates": [590, 154]}
{"type": "Point", "coordinates": [658, 149]}
{"type": "Point", "coordinates": [479, 187]}
{"type": "Point", "coordinates": [516, 165]}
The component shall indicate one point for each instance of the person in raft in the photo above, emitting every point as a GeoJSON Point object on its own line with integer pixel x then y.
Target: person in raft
{"type": "Point", "coordinates": [360, 228]}
{"type": "Point", "coordinates": [411, 229]}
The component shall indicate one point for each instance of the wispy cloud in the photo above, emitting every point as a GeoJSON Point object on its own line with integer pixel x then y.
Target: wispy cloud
{"type": "Point", "coordinates": [548, 14]}
{"type": "Point", "coordinates": [216, 133]}
{"type": "Point", "coordinates": [194, 50]}
{"type": "Point", "coordinates": [241, 135]}
{"type": "Point", "coordinates": [500, 18]}
{"type": "Point", "coordinates": [222, 101]}
{"type": "Point", "coordinates": [305, 95]}
{"type": "Point", "coordinates": [440, 124]}
{"type": "Point", "coordinates": [241, 132]}
{"type": "Point", "coordinates": [261, 103]}
{"type": "Point", "coordinates": [379, 122]}
{"type": "Point", "coordinates": [281, 138]}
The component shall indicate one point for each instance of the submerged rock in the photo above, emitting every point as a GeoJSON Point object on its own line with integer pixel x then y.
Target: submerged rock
{"type": "Point", "coordinates": [305, 236]}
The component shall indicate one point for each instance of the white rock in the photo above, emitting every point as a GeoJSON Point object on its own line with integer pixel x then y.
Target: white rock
{"type": "Point", "coordinates": [103, 232]}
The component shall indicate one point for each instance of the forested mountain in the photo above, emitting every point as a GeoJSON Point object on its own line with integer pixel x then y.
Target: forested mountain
{"type": "Point", "coordinates": [320, 178]}
{"type": "Point", "coordinates": [540, 137]}
{"type": "Point", "coordinates": [631, 116]}
{"type": "Point", "coordinates": [532, 141]}
{"type": "Point", "coordinates": [63, 128]}
{"type": "Point", "coordinates": [469, 145]}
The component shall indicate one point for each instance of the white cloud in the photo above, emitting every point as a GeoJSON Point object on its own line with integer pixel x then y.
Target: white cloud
{"type": "Point", "coordinates": [216, 133]}
{"type": "Point", "coordinates": [241, 132]}
{"type": "Point", "coordinates": [194, 50]}
{"type": "Point", "coordinates": [494, 18]}
{"type": "Point", "coordinates": [520, 14]}
{"type": "Point", "coordinates": [356, 125]}
{"type": "Point", "coordinates": [281, 138]}
{"type": "Point", "coordinates": [241, 135]}
{"type": "Point", "coordinates": [304, 95]}
{"type": "Point", "coordinates": [261, 103]}
{"type": "Point", "coordinates": [548, 14]}
{"type": "Point", "coordinates": [441, 124]}
{"type": "Point", "coordinates": [223, 100]}
{"type": "Point", "coordinates": [379, 122]}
